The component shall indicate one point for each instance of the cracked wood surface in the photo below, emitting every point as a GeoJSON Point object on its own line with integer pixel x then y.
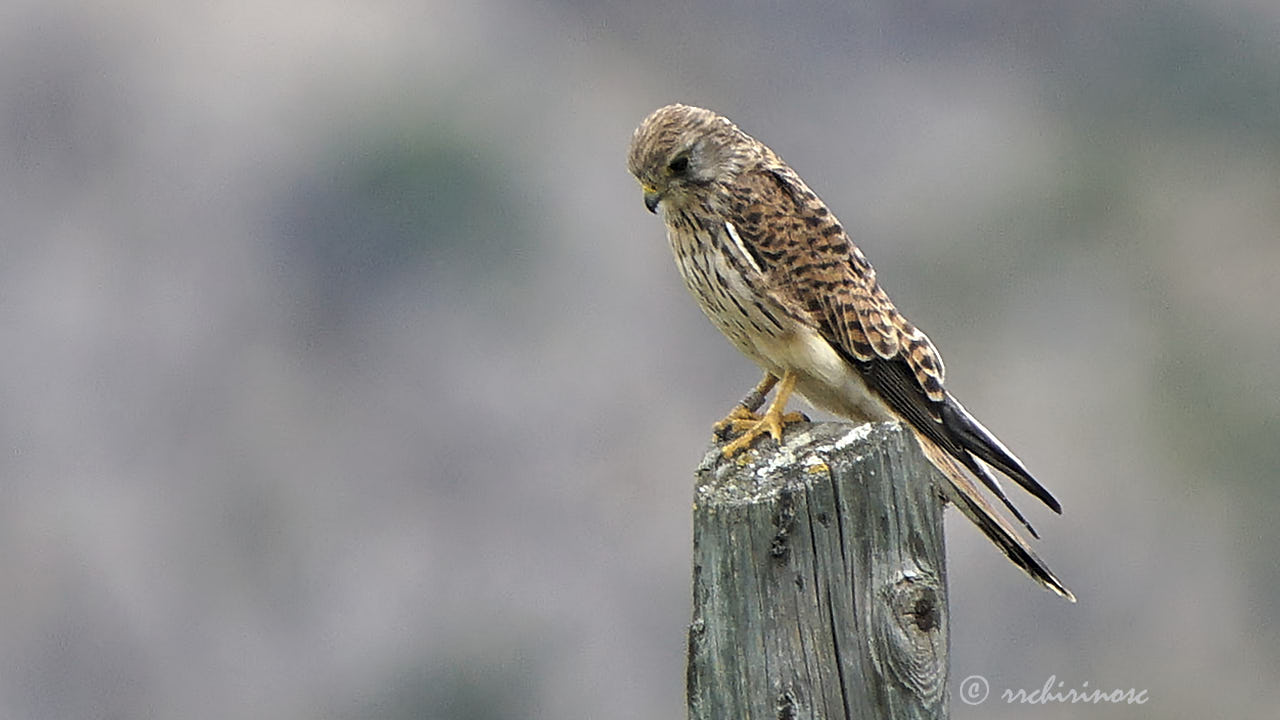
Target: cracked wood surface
{"type": "Point", "coordinates": [819, 580]}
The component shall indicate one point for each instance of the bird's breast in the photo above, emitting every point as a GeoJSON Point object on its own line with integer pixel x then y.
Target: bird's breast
{"type": "Point", "coordinates": [737, 304]}
{"type": "Point", "coordinates": [741, 306]}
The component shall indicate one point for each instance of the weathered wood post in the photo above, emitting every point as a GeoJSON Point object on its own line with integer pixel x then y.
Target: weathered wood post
{"type": "Point", "coordinates": [819, 580]}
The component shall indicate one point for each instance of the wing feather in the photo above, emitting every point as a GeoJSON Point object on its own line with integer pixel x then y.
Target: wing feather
{"type": "Point", "coordinates": [827, 276]}
{"type": "Point", "coordinates": [808, 258]}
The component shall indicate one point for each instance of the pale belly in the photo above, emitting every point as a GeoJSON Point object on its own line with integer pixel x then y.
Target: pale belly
{"type": "Point", "coordinates": [823, 377]}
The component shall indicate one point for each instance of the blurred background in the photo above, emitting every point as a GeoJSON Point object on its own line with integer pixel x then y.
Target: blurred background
{"type": "Point", "coordinates": [344, 374]}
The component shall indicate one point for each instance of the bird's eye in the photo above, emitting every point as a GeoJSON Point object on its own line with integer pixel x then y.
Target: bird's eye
{"type": "Point", "coordinates": [679, 166]}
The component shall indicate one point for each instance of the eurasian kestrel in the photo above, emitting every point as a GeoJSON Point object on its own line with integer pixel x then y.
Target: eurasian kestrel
{"type": "Point", "coordinates": [778, 275]}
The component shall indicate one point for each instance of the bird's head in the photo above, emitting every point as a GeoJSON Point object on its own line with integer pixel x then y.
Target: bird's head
{"type": "Point", "coordinates": [681, 150]}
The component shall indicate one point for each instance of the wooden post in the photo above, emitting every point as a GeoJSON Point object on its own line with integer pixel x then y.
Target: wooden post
{"type": "Point", "coordinates": [819, 580]}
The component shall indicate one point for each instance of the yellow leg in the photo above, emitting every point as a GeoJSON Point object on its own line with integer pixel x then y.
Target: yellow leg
{"type": "Point", "coordinates": [743, 415]}
{"type": "Point", "coordinates": [771, 422]}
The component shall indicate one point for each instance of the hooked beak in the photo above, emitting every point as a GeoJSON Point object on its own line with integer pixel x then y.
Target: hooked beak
{"type": "Point", "coordinates": [651, 200]}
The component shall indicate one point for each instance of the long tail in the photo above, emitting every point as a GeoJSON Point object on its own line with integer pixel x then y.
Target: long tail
{"type": "Point", "coordinates": [961, 492]}
{"type": "Point", "coordinates": [975, 438]}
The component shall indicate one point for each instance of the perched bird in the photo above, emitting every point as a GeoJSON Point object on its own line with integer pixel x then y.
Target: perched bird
{"type": "Point", "coordinates": [778, 275]}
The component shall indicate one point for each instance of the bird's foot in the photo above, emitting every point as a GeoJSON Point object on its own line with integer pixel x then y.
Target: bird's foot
{"type": "Point", "coordinates": [752, 426]}
{"type": "Point", "coordinates": [738, 420]}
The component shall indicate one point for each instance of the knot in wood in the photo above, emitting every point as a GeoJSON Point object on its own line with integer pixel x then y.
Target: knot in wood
{"type": "Point", "coordinates": [915, 635]}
